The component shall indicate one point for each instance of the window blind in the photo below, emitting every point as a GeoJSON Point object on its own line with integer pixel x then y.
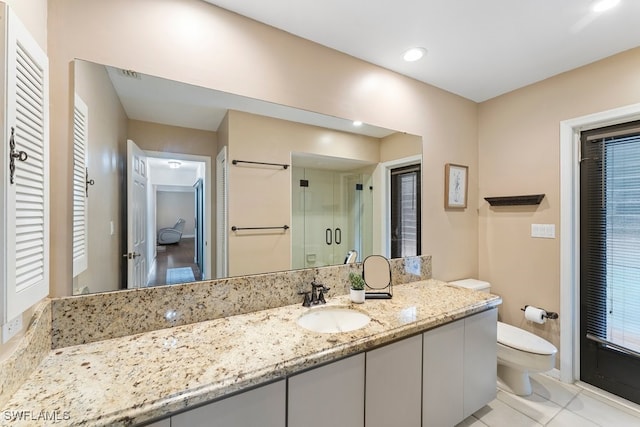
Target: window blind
{"type": "Point", "coordinates": [405, 211]}
{"type": "Point", "coordinates": [610, 237]}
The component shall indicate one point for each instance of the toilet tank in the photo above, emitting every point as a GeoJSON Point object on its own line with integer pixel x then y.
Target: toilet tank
{"type": "Point", "coordinates": [475, 284]}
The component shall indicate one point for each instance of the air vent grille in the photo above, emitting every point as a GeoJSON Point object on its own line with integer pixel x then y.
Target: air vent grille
{"type": "Point", "coordinates": [130, 73]}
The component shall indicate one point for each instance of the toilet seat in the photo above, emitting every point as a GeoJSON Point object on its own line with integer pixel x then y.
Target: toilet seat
{"type": "Point", "coordinates": [522, 340]}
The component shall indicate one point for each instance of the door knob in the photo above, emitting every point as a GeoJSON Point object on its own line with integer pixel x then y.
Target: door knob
{"type": "Point", "coordinates": [13, 156]}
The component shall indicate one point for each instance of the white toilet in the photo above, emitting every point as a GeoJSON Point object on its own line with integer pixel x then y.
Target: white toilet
{"type": "Point", "coordinates": [519, 352]}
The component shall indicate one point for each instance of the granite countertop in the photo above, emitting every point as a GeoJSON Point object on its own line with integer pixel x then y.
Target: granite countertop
{"type": "Point", "coordinates": [137, 378]}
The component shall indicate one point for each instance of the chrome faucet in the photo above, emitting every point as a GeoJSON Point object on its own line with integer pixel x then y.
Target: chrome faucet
{"type": "Point", "coordinates": [315, 296]}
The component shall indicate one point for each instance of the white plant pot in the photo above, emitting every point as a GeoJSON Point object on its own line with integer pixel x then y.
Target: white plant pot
{"type": "Point", "coordinates": [356, 296]}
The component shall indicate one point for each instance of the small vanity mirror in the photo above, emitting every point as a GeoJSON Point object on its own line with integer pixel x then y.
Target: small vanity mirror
{"type": "Point", "coordinates": [152, 154]}
{"type": "Point", "coordinates": [376, 272]}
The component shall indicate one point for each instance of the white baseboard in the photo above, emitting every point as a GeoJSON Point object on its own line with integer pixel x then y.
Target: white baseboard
{"type": "Point", "coordinates": [554, 373]}
{"type": "Point", "coordinates": [610, 398]}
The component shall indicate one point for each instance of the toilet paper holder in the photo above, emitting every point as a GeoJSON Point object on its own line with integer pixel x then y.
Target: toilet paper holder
{"type": "Point", "coordinates": [549, 315]}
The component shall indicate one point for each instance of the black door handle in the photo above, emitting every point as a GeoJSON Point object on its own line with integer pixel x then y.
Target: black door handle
{"type": "Point", "coordinates": [327, 236]}
{"type": "Point", "coordinates": [338, 238]}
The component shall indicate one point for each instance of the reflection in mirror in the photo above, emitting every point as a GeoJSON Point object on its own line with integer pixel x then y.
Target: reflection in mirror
{"type": "Point", "coordinates": [158, 199]}
{"type": "Point", "coordinates": [332, 208]}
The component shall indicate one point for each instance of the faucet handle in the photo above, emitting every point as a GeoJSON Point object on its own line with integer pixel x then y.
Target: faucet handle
{"type": "Point", "coordinates": [321, 299]}
{"type": "Point", "coordinates": [315, 285]}
{"type": "Point", "coordinates": [307, 300]}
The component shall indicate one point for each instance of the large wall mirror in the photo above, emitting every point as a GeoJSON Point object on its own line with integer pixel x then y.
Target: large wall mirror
{"type": "Point", "coordinates": [175, 183]}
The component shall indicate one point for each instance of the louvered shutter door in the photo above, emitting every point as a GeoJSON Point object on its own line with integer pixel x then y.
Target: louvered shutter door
{"type": "Point", "coordinates": [80, 205]}
{"type": "Point", "coordinates": [27, 199]}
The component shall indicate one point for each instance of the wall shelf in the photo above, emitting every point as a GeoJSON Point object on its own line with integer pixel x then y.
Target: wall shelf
{"type": "Point", "coordinates": [531, 199]}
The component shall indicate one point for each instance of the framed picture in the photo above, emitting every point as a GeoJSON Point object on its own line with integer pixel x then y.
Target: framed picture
{"type": "Point", "coordinates": [456, 178]}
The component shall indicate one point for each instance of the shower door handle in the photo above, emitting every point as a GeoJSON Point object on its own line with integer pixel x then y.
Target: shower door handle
{"type": "Point", "coordinates": [327, 236]}
{"type": "Point", "coordinates": [338, 236]}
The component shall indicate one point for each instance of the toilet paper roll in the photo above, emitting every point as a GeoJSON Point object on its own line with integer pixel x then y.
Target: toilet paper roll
{"type": "Point", "coordinates": [535, 314]}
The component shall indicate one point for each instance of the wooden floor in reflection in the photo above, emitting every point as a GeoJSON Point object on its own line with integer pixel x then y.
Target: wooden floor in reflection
{"type": "Point", "coordinates": [177, 255]}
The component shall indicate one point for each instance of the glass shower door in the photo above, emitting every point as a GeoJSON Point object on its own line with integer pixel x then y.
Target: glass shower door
{"type": "Point", "coordinates": [329, 213]}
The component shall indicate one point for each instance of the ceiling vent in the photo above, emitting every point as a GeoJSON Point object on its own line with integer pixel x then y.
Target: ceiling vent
{"type": "Point", "coordinates": [130, 73]}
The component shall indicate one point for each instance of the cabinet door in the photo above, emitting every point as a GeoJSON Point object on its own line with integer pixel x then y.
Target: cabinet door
{"type": "Point", "coordinates": [393, 384]}
{"type": "Point", "coordinates": [480, 360]}
{"type": "Point", "coordinates": [263, 406]}
{"type": "Point", "coordinates": [331, 395]}
{"type": "Point", "coordinates": [24, 184]}
{"type": "Point", "coordinates": [443, 353]}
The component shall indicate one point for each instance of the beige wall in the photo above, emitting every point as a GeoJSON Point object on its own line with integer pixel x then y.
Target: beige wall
{"type": "Point", "coordinates": [194, 42]}
{"type": "Point", "coordinates": [106, 144]}
{"type": "Point", "coordinates": [173, 205]}
{"type": "Point", "coordinates": [173, 139]}
{"type": "Point", "coordinates": [399, 145]}
{"type": "Point", "coordinates": [33, 14]}
{"type": "Point", "coordinates": [519, 154]}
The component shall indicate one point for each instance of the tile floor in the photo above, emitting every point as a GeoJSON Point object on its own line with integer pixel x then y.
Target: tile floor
{"type": "Point", "coordinates": [554, 404]}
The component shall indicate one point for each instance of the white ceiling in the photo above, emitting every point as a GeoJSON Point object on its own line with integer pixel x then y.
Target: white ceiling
{"type": "Point", "coordinates": [478, 49]}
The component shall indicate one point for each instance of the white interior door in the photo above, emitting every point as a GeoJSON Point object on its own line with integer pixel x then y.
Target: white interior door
{"type": "Point", "coordinates": [137, 183]}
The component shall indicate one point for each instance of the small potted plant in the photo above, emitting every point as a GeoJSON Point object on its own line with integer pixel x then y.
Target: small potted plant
{"type": "Point", "coordinates": [357, 288]}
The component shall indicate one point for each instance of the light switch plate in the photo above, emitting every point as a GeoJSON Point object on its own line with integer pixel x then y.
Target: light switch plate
{"type": "Point", "coordinates": [543, 231]}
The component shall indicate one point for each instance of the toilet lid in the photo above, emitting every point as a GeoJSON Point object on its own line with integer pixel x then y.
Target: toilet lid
{"type": "Point", "coordinates": [523, 340]}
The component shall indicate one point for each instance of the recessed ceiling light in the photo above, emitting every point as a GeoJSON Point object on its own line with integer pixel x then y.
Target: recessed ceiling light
{"type": "Point", "coordinates": [603, 5]}
{"type": "Point", "coordinates": [357, 123]}
{"type": "Point", "coordinates": [414, 54]}
{"type": "Point", "coordinates": [174, 164]}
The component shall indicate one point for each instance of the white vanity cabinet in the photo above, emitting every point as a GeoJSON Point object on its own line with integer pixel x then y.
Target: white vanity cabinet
{"type": "Point", "coordinates": [394, 383]}
{"type": "Point", "coordinates": [443, 382]}
{"type": "Point", "coordinates": [437, 378]}
{"type": "Point", "coordinates": [24, 168]}
{"type": "Point", "coordinates": [480, 360]}
{"type": "Point", "coordinates": [459, 369]}
{"type": "Point", "coordinates": [331, 395]}
{"type": "Point", "coordinates": [263, 406]}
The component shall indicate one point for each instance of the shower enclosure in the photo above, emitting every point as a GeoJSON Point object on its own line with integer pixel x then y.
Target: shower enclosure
{"type": "Point", "coordinates": [332, 214]}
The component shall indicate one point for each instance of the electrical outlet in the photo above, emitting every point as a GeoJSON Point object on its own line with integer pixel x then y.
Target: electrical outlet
{"type": "Point", "coordinates": [11, 328]}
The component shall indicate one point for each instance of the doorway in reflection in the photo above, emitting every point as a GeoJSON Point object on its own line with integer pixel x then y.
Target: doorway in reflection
{"type": "Point", "coordinates": [176, 221]}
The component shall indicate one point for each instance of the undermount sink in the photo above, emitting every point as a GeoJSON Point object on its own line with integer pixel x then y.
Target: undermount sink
{"type": "Point", "coordinates": [333, 319]}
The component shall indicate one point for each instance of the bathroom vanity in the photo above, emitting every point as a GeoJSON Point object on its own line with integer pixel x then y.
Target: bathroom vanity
{"type": "Point", "coordinates": [159, 374]}
{"type": "Point", "coordinates": [427, 354]}
{"type": "Point", "coordinates": [440, 377]}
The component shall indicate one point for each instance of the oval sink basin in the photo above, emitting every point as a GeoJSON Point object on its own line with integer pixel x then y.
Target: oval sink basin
{"type": "Point", "coordinates": [333, 319]}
